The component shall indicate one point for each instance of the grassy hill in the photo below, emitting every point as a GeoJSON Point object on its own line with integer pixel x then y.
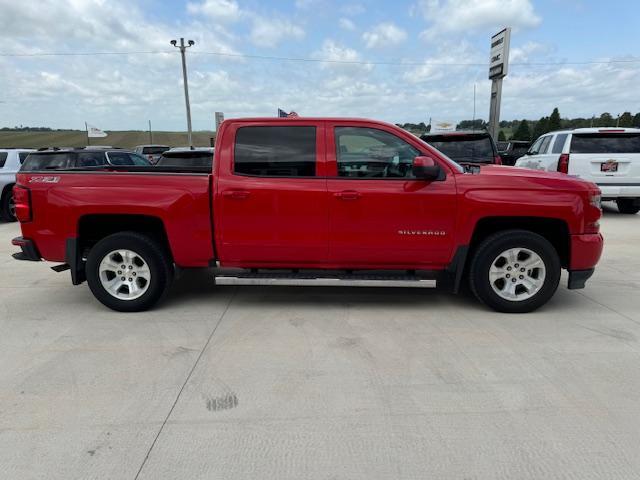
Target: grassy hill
{"type": "Point", "coordinates": [78, 138]}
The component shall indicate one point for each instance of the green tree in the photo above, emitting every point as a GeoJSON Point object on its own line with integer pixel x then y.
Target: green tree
{"type": "Point", "coordinates": [522, 132]}
{"type": "Point", "coordinates": [554, 121]}
{"type": "Point", "coordinates": [636, 120]}
{"type": "Point", "coordinates": [541, 127]}
{"type": "Point", "coordinates": [605, 120]}
{"type": "Point", "coordinates": [501, 136]}
{"type": "Point", "coordinates": [626, 120]}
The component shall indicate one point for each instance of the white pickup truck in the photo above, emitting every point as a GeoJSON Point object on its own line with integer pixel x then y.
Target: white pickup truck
{"type": "Point", "coordinates": [10, 161]}
{"type": "Point", "coordinates": [608, 157]}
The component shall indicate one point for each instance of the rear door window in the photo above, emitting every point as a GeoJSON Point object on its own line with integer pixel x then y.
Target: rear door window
{"type": "Point", "coordinates": [558, 143]}
{"type": "Point", "coordinates": [22, 156]}
{"type": "Point", "coordinates": [127, 159]}
{"type": "Point", "coordinates": [275, 151]}
{"type": "Point", "coordinates": [3, 158]}
{"type": "Point", "coordinates": [606, 143]}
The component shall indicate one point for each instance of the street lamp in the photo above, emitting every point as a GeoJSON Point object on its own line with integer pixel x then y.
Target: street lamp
{"type": "Point", "coordinates": [182, 48]}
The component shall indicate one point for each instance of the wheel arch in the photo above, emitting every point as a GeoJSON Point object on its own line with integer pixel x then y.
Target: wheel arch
{"type": "Point", "coordinates": [92, 228]}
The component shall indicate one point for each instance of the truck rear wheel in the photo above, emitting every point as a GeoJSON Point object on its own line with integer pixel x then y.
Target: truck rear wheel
{"type": "Point", "coordinates": [628, 205]}
{"type": "Point", "coordinates": [7, 206]}
{"type": "Point", "coordinates": [128, 271]}
{"type": "Point", "coordinates": [515, 271]}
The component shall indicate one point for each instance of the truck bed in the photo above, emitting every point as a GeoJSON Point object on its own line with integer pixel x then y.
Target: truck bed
{"type": "Point", "coordinates": [64, 202]}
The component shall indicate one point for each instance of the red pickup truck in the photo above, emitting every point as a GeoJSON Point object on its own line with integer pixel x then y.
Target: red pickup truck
{"type": "Point", "coordinates": [326, 201]}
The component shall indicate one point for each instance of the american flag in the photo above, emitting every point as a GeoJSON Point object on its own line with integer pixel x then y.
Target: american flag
{"type": "Point", "coordinates": [283, 114]}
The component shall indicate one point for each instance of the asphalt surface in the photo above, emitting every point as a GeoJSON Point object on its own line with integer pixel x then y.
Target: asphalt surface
{"type": "Point", "coordinates": [320, 383]}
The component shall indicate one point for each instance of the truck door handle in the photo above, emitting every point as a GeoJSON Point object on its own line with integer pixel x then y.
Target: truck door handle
{"type": "Point", "coordinates": [237, 194]}
{"type": "Point", "coordinates": [348, 195]}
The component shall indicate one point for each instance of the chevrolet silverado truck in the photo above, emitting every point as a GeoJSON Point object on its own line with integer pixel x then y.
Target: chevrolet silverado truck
{"type": "Point", "coordinates": [324, 201]}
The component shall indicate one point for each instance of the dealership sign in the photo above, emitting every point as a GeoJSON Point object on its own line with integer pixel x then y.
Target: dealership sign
{"type": "Point", "coordinates": [499, 56]}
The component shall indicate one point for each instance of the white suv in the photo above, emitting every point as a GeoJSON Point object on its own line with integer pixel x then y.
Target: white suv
{"type": "Point", "coordinates": [608, 157]}
{"type": "Point", "coordinates": [10, 161]}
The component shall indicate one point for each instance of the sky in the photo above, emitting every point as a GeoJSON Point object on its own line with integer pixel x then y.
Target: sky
{"type": "Point", "coordinates": [411, 60]}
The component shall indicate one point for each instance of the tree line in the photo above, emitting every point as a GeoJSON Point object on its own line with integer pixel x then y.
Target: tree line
{"type": "Point", "coordinates": [532, 129]}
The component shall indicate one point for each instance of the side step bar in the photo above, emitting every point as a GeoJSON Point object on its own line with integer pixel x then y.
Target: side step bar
{"type": "Point", "coordinates": [324, 280]}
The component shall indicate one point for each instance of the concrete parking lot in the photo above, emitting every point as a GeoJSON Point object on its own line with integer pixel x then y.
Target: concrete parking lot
{"type": "Point", "coordinates": [320, 383]}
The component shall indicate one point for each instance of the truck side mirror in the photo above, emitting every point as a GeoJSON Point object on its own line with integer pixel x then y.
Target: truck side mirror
{"type": "Point", "coordinates": [425, 168]}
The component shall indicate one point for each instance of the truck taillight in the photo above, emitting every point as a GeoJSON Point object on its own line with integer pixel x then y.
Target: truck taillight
{"type": "Point", "coordinates": [22, 199]}
{"type": "Point", "coordinates": [497, 160]}
{"type": "Point", "coordinates": [563, 163]}
{"type": "Point", "coordinates": [593, 214]}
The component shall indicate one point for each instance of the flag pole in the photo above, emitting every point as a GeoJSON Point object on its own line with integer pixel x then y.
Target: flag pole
{"type": "Point", "coordinates": [86, 127]}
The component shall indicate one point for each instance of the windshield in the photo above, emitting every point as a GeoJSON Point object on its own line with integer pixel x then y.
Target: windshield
{"type": "Point", "coordinates": [464, 148]}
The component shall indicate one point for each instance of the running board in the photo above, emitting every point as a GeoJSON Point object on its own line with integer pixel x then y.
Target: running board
{"type": "Point", "coordinates": [299, 280]}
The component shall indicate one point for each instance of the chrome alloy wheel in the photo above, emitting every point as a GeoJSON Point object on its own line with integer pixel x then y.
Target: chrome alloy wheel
{"type": "Point", "coordinates": [124, 274]}
{"type": "Point", "coordinates": [517, 274]}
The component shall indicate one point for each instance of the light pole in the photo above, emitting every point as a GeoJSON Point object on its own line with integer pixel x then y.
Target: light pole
{"type": "Point", "coordinates": [183, 48]}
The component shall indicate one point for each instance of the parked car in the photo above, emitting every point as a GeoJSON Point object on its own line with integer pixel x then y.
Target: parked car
{"type": "Point", "coordinates": [10, 161]}
{"type": "Point", "coordinates": [187, 157]}
{"type": "Point", "coordinates": [151, 152]}
{"type": "Point", "coordinates": [321, 201]}
{"type": "Point", "coordinates": [609, 157]}
{"type": "Point", "coordinates": [465, 147]}
{"type": "Point", "coordinates": [64, 159]}
{"type": "Point", "coordinates": [512, 150]}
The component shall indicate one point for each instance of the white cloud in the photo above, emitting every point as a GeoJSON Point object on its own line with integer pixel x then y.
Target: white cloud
{"type": "Point", "coordinates": [269, 32]}
{"type": "Point", "coordinates": [346, 24]}
{"type": "Point", "coordinates": [384, 35]}
{"type": "Point", "coordinates": [341, 55]}
{"type": "Point", "coordinates": [525, 52]}
{"type": "Point", "coordinates": [220, 10]}
{"type": "Point", "coordinates": [447, 16]}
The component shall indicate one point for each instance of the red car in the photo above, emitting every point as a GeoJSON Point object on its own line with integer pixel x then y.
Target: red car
{"type": "Point", "coordinates": [314, 200]}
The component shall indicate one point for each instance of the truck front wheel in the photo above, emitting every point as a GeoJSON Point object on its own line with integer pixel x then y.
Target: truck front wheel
{"type": "Point", "coordinates": [515, 271]}
{"type": "Point", "coordinates": [128, 271]}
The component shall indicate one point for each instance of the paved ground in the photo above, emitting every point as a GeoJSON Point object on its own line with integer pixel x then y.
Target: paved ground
{"type": "Point", "coordinates": [320, 383]}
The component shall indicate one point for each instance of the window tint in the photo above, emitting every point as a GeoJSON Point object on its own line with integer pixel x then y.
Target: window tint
{"type": "Point", "coordinates": [465, 148]}
{"type": "Point", "coordinates": [558, 143]}
{"type": "Point", "coordinates": [3, 158]}
{"type": "Point", "coordinates": [47, 161]}
{"type": "Point", "coordinates": [606, 143]}
{"type": "Point", "coordinates": [22, 156]}
{"type": "Point", "coordinates": [371, 153]}
{"type": "Point", "coordinates": [545, 144]}
{"type": "Point", "coordinates": [275, 151]}
{"type": "Point", "coordinates": [90, 159]}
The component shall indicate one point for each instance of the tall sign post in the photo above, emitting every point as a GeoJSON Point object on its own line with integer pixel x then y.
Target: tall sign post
{"type": "Point", "coordinates": [219, 119]}
{"type": "Point", "coordinates": [498, 68]}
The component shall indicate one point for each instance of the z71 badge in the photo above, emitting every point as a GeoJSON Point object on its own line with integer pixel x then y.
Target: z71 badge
{"type": "Point", "coordinates": [41, 179]}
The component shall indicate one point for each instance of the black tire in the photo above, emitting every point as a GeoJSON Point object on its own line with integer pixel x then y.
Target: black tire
{"type": "Point", "coordinates": [628, 206]}
{"type": "Point", "coordinates": [491, 248]}
{"type": "Point", "coordinates": [5, 205]}
{"type": "Point", "coordinates": [156, 258]}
